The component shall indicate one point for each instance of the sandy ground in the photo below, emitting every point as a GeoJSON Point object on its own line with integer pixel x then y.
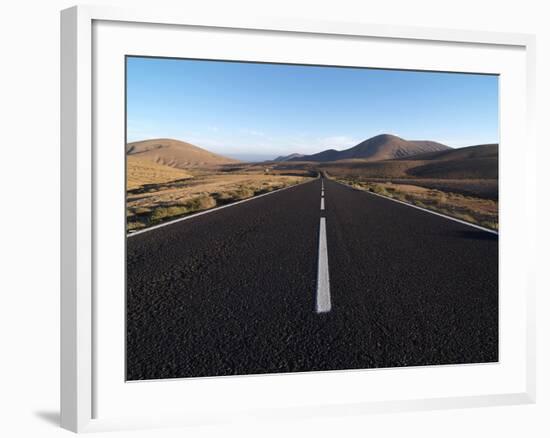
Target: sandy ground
{"type": "Point", "coordinates": [152, 203]}
{"type": "Point", "coordinates": [472, 209]}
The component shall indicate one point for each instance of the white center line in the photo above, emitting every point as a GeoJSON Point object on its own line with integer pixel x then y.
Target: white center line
{"type": "Point", "coordinates": [322, 203]}
{"type": "Point", "coordinates": [323, 282]}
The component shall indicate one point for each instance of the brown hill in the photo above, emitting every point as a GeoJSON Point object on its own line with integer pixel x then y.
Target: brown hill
{"type": "Point", "coordinates": [175, 153]}
{"type": "Point", "coordinates": [470, 162]}
{"type": "Point", "coordinates": [474, 162]}
{"type": "Point", "coordinates": [467, 153]}
{"type": "Point", "coordinates": [141, 171]}
{"type": "Point", "coordinates": [381, 147]}
{"type": "Point", "coordinates": [287, 157]}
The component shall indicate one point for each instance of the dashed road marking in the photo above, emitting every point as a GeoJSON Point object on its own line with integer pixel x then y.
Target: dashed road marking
{"type": "Point", "coordinates": [323, 304]}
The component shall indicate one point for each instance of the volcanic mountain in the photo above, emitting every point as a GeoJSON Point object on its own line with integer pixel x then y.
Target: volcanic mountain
{"type": "Point", "coordinates": [288, 157]}
{"type": "Point", "coordinates": [175, 153]}
{"type": "Point", "coordinates": [470, 162]}
{"type": "Point", "coordinates": [380, 147]}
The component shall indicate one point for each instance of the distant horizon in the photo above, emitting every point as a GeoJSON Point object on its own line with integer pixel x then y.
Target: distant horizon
{"type": "Point", "coordinates": [255, 157]}
{"type": "Point", "coordinates": [241, 109]}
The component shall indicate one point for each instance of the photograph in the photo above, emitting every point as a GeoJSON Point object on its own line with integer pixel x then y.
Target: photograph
{"type": "Point", "coordinates": [290, 218]}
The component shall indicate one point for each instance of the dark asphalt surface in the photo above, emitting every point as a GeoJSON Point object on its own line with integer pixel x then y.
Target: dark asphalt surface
{"type": "Point", "coordinates": [233, 291]}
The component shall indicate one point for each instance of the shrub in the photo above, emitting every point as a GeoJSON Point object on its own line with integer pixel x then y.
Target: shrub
{"type": "Point", "coordinates": [164, 212]}
{"type": "Point", "coordinates": [134, 225]}
{"type": "Point", "coordinates": [200, 203]}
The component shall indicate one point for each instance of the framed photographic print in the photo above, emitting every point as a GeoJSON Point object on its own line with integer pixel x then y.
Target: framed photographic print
{"type": "Point", "coordinates": [271, 219]}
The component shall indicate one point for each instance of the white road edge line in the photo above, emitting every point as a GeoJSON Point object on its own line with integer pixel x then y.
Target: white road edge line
{"type": "Point", "coordinates": [479, 227]}
{"type": "Point", "coordinates": [165, 224]}
{"type": "Point", "coordinates": [322, 203]}
{"type": "Point", "coordinates": [323, 282]}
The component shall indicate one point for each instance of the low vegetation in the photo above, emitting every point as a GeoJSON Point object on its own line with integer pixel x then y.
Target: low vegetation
{"type": "Point", "coordinates": [476, 188]}
{"type": "Point", "coordinates": [167, 178]}
{"type": "Point", "coordinates": [471, 209]}
{"type": "Point", "coordinates": [151, 204]}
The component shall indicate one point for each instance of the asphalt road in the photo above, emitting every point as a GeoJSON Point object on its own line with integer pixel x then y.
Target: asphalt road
{"type": "Point", "coordinates": [235, 291]}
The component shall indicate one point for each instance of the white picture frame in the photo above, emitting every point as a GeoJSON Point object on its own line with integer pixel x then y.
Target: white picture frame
{"type": "Point", "coordinates": [82, 369]}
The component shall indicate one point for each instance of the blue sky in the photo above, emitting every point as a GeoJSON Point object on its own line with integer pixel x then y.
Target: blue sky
{"type": "Point", "coordinates": [258, 111]}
